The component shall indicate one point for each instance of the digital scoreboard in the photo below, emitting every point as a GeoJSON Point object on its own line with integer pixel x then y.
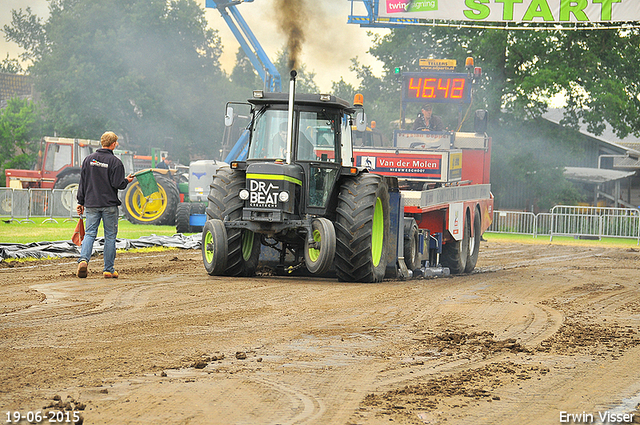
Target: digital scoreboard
{"type": "Point", "coordinates": [435, 87]}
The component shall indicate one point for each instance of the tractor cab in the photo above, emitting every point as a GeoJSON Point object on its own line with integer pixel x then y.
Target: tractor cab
{"type": "Point", "coordinates": [290, 182]}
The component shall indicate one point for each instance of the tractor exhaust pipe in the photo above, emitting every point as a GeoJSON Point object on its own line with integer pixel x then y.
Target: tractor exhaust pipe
{"type": "Point", "coordinates": [292, 92]}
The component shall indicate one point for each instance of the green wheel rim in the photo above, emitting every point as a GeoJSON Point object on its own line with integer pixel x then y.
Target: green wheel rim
{"type": "Point", "coordinates": [313, 252]}
{"type": "Point", "coordinates": [377, 234]}
{"type": "Point", "coordinates": [247, 244]}
{"type": "Point", "coordinates": [208, 242]}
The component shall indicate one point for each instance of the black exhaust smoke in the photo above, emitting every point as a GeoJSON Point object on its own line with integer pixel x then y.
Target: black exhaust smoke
{"type": "Point", "coordinates": [292, 17]}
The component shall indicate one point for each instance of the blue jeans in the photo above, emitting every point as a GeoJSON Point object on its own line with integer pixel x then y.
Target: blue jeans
{"type": "Point", "coordinates": [109, 217]}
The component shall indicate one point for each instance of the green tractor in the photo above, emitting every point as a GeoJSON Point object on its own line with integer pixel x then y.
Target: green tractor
{"type": "Point", "coordinates": [298, 193]}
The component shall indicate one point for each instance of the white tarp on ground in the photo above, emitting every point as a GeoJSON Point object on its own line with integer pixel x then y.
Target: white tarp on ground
{"type": "Point", "coordinates": [513, 11]}
{"type": "Point", "coordinates": [62, 249]}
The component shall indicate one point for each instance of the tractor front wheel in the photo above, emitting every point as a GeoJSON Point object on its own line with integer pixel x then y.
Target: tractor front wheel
{"type": "Point", "coordinates": [319, 258]}
{"type": "Point", "coordinates": [214, 247]}
{"type": "Point", "coordinates": [224, 203]}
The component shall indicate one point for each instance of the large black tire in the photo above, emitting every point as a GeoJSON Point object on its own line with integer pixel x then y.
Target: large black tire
{"type": "Point", "coordinates": [362, 229]}
{"type": "Point", "coordinates": [474, 243]}
{"type": "Point", "coordinates": [158, 208]}
{"type": "Point", "coordinates": [214, 247]}
{"type": "Point", "coordinates": [411, 245]}
{"type": "Point", "coordinates": [455, 253]}
{"type": "Point", "coordinates": [68, 182]}
{"type": "Point", "coordinates": [319, 260]}
{"type": "Point", "coordinates": [224, 203]}
{"type": "Point", "coordinates": [183, 212]}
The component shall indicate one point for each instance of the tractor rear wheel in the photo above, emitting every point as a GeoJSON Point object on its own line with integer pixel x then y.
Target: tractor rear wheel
{"type": "Point", "coordinates": [455, 253]}
{"type": "Point", "coordinates": [158, 208]}
{"type": "Point", "coordinates": [68, 182]}
{"type": "Point", "coordinates": [320, 258]}
{"type": "Point", "coordinates": [411, 245]}
{"type": "Point", "coordinates": [474, 243]}
{"type": "Point", "coordinates": [362, 229]}
{"type": "Point", "coordinates": [214, 247]}
{"type": "Point", "coordinates": [224, 203]}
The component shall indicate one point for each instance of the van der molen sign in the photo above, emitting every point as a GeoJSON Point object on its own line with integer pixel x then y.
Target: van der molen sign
{"type": "Point", "coordinates": [516, 11]}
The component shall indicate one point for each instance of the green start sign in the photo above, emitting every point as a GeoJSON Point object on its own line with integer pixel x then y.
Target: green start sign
{"type": "Point", "coordinates": [515, 11]}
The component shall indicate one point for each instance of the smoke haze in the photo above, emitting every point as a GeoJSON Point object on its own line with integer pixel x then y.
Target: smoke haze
{"type": "Point", "coordinates": [292, 16]}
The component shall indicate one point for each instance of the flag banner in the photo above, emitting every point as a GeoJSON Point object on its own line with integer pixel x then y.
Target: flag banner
{"type": "Point", "coordinates": [514, 11]}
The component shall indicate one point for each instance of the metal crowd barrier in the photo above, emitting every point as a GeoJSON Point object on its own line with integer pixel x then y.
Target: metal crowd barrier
{"type": "Point", "coordinates": [22, 205]}
{"type": "Point", "coordinates": [521, 222]}
{"type": "Point", "coordinates": [576, 221]}
{"type": "Point", "coordinates": [595, 222]}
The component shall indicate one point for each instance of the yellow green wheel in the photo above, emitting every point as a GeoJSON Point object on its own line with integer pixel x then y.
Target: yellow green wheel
{"type": "Point", "coordinates": [157, 208]}
{"type": "Point", "coordinates": [319, 254]}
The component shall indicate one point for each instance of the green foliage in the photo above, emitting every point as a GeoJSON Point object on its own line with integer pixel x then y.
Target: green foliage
{"type": "Point", "coordinates": [244, 77]}
{"type": "Point", "coordinates": [147, 69]}
{"type": "Point", "coordinates": [20, 128]}
{"type": "Point", "coordinates": [304, 80]}
{"type": "Point", "coordinates": [28, 31]}
{"type": "Point", "coordinates": [343, 90]}
{"type": "Point", "coordinates": [11, 66]}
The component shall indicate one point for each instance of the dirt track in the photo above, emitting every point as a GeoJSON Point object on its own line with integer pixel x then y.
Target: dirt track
{"type": "Point", "coordinates": [537, 330]}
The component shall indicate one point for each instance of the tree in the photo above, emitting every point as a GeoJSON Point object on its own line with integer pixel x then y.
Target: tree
{"type": "Point", "coordinates": [20, 129]}
{"type": "Point", "coordinates": [304, 80]}
{"type": "Point", "coordinates": [342, 89]}
{"type": "Point", "coordinates": [147, 69]}
{"type": "Point", "coordinates": [11, 66]}
{"type": "Point", "coordinates": [244, 77]}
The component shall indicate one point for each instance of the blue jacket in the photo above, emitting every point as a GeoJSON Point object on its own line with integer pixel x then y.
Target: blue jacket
{"type": "Point", "coordinates": [101, 177]}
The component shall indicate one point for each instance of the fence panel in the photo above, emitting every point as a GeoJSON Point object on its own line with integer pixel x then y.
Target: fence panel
{"type": "Point", "coordinates": [595, 221]}
{"type": "Point", "coordinates": [6, 202]}
{"type": "Point", "coordinates": [14, 203]}
{"type": "Point", "coordinates": [543, 224]}
{"type": "Point", "coordinates": [39, 203]}
{"type": "Point", "coordinates": [517, 222]}
{"type": "Point", "coordinates": [63, 203]}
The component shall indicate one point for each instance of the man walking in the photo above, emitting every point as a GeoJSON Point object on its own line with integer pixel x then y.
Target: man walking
{"type": "Point", "coordinates": [101, 177]}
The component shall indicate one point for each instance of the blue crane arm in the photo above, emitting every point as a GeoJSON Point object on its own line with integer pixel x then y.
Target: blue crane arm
{"type": "Point", "coordinates": [249, 43]}
{"type": "Point", "coordinates": [240, 149]}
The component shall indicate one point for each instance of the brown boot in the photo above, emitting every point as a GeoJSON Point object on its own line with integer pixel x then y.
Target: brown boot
{"type": "Point", "coordinates": [82, 269]}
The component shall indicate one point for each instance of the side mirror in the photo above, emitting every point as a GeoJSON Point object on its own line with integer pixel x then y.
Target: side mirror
{"type": "Point", "coordinates": [361, 121]}
{"type": "Point", "coordinates": [228, 116]}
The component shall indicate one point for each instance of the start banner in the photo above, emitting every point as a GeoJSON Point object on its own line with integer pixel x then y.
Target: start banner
{"type": "Point", "coordinates": [515, 11]}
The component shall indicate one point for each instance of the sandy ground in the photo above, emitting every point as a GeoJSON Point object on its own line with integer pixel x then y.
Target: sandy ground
{"type": "Point", "coordinates": [538, 331]}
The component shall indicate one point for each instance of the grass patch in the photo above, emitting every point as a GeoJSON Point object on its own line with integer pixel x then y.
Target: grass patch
{"type": "Point", "coordinates": [39, 231]}
{"type": "Point", "coordinates": [562, 240]}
